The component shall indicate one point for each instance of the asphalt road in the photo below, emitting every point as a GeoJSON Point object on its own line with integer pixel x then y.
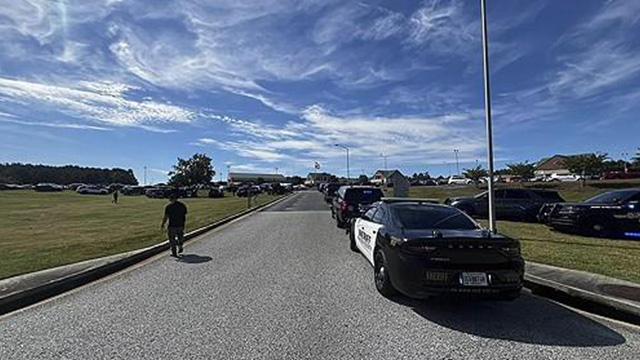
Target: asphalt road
{"type": "Point", "coordinates": [282, 284]}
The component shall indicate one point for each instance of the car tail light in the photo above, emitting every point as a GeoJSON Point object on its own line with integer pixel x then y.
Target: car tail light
{"type": "Point", "coordinates": [344, 206]}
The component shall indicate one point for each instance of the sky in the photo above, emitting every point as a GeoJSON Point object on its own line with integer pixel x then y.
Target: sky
{"type": "Point", "coordinates": [260, 85]}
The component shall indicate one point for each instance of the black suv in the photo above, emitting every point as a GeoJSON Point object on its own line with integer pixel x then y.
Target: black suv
{"type": "Point", "coordinates": [611, 214]}
{"type": "Point", "coordinates": [511, 204]}
{"type": "Point", "coordinates": [330, 191]}
{"type": "Point", "coordinates": [349, 202]}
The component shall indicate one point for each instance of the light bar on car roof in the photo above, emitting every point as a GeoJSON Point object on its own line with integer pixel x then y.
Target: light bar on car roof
{"type": "Point", "coordinates": [416, 200]}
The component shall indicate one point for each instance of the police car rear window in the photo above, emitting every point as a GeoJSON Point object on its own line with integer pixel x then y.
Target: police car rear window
{"type": "Point", "coordinates": [363, 196]}
{"type": "Point", "coordinates": [415, 217]}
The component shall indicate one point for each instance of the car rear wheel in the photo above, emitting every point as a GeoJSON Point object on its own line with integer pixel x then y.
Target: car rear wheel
{"type": "Point", "coordinates": [339, 223]}
{"type": "Point", "coordinates": [352, 238]}
{"type": "Point", "coordinates": [381, 275]}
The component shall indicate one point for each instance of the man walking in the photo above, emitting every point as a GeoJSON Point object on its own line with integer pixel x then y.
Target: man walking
{"type": "Point", "coordinates": [115, 197]}
{"type": "Point", "coordinates": [176, 214]}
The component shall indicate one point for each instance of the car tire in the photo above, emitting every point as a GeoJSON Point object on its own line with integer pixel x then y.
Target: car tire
{"type": "Point", "coordinates": [352, 239]}
{"type": "Point", "coordinates": [339, 223]}
{"type": "Point", "coordinates": [381, 275]}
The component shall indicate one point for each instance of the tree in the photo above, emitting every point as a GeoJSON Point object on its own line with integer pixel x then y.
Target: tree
{"type": "Point", "coordinates": [588, 164]}
{"type": "Point", "coordinates": [475, 174]}
{"type": "Point", "coordinates": [636, 160]}
{"type": "Point", "coordinates": [523, 170]}
{"type": "Point", "coordinates": [363, 179]}
{"type": "Point", "coordinates": [194, 171]}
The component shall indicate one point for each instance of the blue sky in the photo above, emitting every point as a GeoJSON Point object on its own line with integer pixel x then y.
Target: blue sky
{"type": "Point", "coordinates": [262, 84]}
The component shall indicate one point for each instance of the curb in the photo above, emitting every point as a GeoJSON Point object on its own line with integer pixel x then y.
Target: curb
{"type": "Point", "coordinates": [582, 299]}
{"type": "Point", "coordinates": [89, 272]}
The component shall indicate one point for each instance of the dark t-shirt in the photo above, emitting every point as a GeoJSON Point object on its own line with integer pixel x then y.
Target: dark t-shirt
{"type": "Point", "coordinates": [177, 214]}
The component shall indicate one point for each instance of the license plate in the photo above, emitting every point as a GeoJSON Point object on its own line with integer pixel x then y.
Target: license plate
{"type": "Point", "coordinates": [474, 279]}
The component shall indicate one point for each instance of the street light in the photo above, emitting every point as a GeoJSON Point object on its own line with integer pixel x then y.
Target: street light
{"type": "Point", "coordinates": [385, 160]}
{"type": "Point", "coordinates": [348, 175]}
{"type": "Point", "coordinates": [625, 155]}
{"type": "Point", "coordinates": [455, 152]}
{"type": "Point", "coordinates": [487, 114]}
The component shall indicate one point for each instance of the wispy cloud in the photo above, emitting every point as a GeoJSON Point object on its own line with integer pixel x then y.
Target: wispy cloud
{"type": "Point", "coordinates": [56, 125]}
{"type": "Point", "coordinates": [102, 103]}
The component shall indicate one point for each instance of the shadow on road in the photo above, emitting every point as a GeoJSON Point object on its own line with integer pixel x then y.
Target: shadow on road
{"type": "Point", "coordinates": [528, 320]}
{"type": "Point", "coordinates": [194, 259]}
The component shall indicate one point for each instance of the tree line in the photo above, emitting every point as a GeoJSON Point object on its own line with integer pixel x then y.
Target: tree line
{"type": "Point", "coordinates": [17, 173]}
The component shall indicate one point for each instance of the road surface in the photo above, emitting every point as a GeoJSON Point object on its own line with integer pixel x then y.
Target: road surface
{"type": "Point", "coordinates": [282, 284]}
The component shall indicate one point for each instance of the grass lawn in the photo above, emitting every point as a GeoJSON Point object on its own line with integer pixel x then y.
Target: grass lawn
{"type": "Point", "coordinates": [43, 230]}
{"type": "Point", "coordinates": [615, 258]}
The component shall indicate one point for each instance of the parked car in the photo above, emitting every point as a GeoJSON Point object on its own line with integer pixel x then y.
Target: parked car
{"type": "Point", "coordinates": [330, 191]}
{"type": "Point", "coordinates": [133, 190]}
{"type": "Point", "coordinates": [48, 187]}
{"type": "Point", "coordinates": [158, 192]}
{"type": "Point", "coordinates": [514, 204]}
{"type": "Point", "coordinates": [245, 190]}
{"type": "Point", "coordinates": [459, 180]}
{"type": "Point", "coordinates": [92, 190]}
{"type": "Point", "coordinates": [611, 175]}
{"type": "Point", "coordinates": [422, 249]}
{"type": "Point", "coordinates": [350, 201]}
{"type": "Point", "coordinates": [215, 193]}
{"type": "Point", "coordinates": [563, 178]}
{"type": "Point", "coordinates": [614, 214]}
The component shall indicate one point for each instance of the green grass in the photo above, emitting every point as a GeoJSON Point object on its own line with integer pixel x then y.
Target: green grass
{"type": "Point", "coordinates": [616, 258]}
{"type": "Point", "coordinates": [43, 230]}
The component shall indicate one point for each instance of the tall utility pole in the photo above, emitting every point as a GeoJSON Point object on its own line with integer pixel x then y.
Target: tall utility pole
{"type": "Point", "coordinates": [348, 175]}
{"type": "Point", "coordinates": [276, 171]}
{"type": "Point", "coordinates": [487, 113]}
{"type": "Point", "coordinates": [455, 152]}
{"type": "Point", "coordinates": [145, 175]}
{"type": "Point", "coordinates": [625, 155]}
{"type": "Point", "coordinates": [384, 157]}
{"type": "Point", "coordinates": [228, 173]}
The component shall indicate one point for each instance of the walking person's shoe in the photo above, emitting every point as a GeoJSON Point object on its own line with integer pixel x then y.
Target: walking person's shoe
{"type": "Point", "coordinates": [180, 250]}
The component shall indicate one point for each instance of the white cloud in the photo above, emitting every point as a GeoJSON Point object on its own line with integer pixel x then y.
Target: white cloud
{"type": "Point", "coordinates": [406, 139]}
{"type": "Point", "coordinates": [100, 102]}
{"type": "Point", "coordinates": [56, 125]}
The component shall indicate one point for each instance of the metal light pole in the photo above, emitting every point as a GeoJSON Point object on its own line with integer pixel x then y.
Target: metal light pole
{"type": "Point", "coordinates": [487, 113]}
{"type": "Point", "coordinates": [625, 155]}
{"type": "Point", "coordinates": [348, 175]}
{"type": "Point", "coordinates": [145, 175]}
{"type": "Point", "coordinates": [455, 152]}
{"type": "Point", "coordinates": [384, 157]}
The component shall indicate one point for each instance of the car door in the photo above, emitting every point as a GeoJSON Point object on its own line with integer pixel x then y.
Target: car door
{"type": "Point", "coordinates": [514, 202]}
{"type": "Point", "coordinates": [368, 230]}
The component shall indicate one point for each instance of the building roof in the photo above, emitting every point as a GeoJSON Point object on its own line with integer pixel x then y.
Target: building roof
{"type": "Point", "coordinates": [388, 173]}
{"type": "Point", "coordinates": [556, 162]}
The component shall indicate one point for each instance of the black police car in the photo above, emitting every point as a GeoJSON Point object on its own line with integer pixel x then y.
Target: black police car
{"type": "Point", "coordinates": [611, 214]}
{"type": "Point", "coordinates": [423, 249]}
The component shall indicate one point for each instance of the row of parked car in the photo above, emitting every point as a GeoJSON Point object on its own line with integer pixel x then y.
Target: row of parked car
{"type": "Point", "coordinates": [612, 214]}
{"type": "Point", "coordinates": [421, 249]}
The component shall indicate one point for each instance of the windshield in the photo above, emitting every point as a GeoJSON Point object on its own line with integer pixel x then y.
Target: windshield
{"type": "Point", "coordinates": [612, 197]}
{"type": "Point", "coordinates": [363, 196]}
{"type": "Point", "coordinates": [417, 217]}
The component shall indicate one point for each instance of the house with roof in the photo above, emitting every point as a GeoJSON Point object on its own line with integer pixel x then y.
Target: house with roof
{"type": "Point", "coordinates": [388, 177]}
{"type": "Point", "coordinates": [255, 178]}
{"type": "Point", "coordinates": [552, 165]}
{"type": "Point", "coordinates": [317, 178]}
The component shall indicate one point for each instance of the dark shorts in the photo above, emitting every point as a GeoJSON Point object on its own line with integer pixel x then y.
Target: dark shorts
{"type": "Point", "coordinates": [176, 237]}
